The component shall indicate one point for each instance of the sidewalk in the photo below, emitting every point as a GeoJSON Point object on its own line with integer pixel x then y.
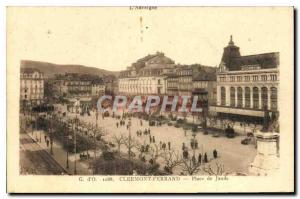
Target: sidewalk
{"type": "Point", "coordinates": [59, 155]}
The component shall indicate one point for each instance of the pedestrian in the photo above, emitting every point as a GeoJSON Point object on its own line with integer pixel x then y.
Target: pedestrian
{"type": "Point", "coordinates": [205, 158]}
{"type": "Point", "coordinates": [199, 158]}
{"type": "Point", "coordinates": [185, 154]}
{"type": "Point", "coordinates": [150, 138]}
{"type": "Point", "coordinates": [169, 145]}
{"type": "Point", "coordinates": [151, 161]}
{"type": "Point", "coordinates": [153, 139]}
{"type": "Point", "coordinates": [47, 143]}
{"type": "Point", "coordinates": [194, 160]}
{"type": "Point", "coordinates": [141, 122]}
{"type": "Point", "coordinates": [192, 144]}
{"type": "Point", "coordinates": [45, 138]}
{"type": "Point", "coordinates": [215, 153]}
{"type": "Point", "coordinates": [164, 146]}
{"type": "Point", "coordinates": [117, 125]}
{"type": "Point", "coordinates": [196, 144]}
{"type": "Point", "coordinates": [183, 146]}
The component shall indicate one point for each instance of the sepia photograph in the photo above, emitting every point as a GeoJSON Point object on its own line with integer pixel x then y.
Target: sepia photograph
{"type": "Point", "coordinates": [147, 99]}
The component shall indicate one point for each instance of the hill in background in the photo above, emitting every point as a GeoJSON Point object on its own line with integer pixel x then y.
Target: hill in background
{"type": "Point", "coordinates": [50, 69]}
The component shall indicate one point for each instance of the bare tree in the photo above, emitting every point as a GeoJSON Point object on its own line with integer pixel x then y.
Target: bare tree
{"type": "Point", "coordinates": [155, 152]}
{"type": "Point", "coordinates": [119, 140]}
{"type": "Point", "coordinates": [219, 170]}
{"type": "Point", "coordinates": [171, 159]}
{"type": "Point", "coordinates": [130, 144]}
{"type": "Point", "coordinates": [190, 166]}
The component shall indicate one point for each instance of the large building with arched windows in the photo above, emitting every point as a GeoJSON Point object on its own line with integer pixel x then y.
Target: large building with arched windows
{"type": "Point", "coordinates": [247, 85]}
{"type": "Point", "coordinates": [147, 76]}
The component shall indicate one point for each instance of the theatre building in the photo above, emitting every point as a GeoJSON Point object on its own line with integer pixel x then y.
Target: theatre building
{"type": "Point", "coordinates": [247, 86]}
{"type": "Point", "coordinates": [146, 76]}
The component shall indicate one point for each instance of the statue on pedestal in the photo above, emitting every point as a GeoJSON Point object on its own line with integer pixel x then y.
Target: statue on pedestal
{"type": "Point", "coordinates": [266, 161]}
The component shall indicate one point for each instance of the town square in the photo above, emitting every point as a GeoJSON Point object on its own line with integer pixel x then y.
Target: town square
{"type": "Point", "coordinates": [154, 118]}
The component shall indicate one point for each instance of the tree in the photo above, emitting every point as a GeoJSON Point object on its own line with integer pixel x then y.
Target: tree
{"type": "Point", "coordinates": [171, 160]}
{"type": "Point", "coordinates": [130, 144]}
{"type": "Point", "coordinates": [119, 140]}
{"type": "Point", "coordinates": [219, 170]}
{"type": "Point", "coordinates": [190, 166]}
{"type": "Point", "coordinates": [155, 152]}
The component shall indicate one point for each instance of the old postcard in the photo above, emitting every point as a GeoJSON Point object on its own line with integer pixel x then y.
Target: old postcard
{"type": "Point", "coordinates": [147, 99]}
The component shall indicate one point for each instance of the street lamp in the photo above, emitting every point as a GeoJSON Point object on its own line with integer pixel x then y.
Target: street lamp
{"type": "Point", "coordinates": [67, 132]}
{"type": "Point", "coordinates": [194, 141]}
{"type": "Point", "coordinates": [51, 136]}
{"type": "Point", "coordinates": [129, 138]}
{"type": "Point", "coordinates": [76, 104]}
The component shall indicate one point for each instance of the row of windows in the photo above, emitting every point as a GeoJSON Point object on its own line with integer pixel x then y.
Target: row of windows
{"type": "Point", "coordinates": [31, 96]}
{"type": "Point", "coordinates": [31, 82]}
{"type": "Point", "coordinates": [185, 86]}
{"type": "Point", "coordinates": [79, 88]}
{"type": "Point", "coordinates": [34, 75]}
{"type": "Point", "coordinates": [185, 72]}
{"type": "Point", "coordinates": [248, 78]}
{"type": "Point", "coordinates": [76, 83]}
{"type": "Point", "coordinates": [172, 84]}
{"type": "Point", "coordinates": [141, 90]}
{"type": "Point", "coordinates": [200, 84]}
{"type": "Point", "coordinates": [238, 93]}
{"type": "Point", "coordinates": [143, 81]}
{"type": "Point", "coordinates": [37, 90]}
{"type": "Point", "coordinates": [185, 80]}
{"type": "Point", "coordinates": [152, 72]}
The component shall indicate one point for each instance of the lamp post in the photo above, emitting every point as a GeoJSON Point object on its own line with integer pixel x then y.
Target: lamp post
{"type": "Point", "coordinates": [194, 141]}
{"type": "Point", "coordinates": [129, 138]}
{"type": "Point", "coordinates": [51, 136]}
{"type": "Point", "coordinates": [67, 132]}
{"type": "Point", "coordinates": [75, 149]}
{"type": "Point", "coordinates": [96, 128]}
{"type": "Point", "coordinates": [76, 104]}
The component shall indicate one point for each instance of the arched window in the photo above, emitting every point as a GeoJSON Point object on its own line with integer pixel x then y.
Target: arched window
{"type": "Point", "coordinates": [247, 97]}
{"type": "Point", "coordinates": [264, 97]}
{"type": "Point", "coordinates": [273, 98]}
{"type": "Point", "coordinates": [232, 96]}
{"type": "Point", "coordinates": [255, 98]}
{"type": "Point", "coordinates": [223, 96]}
{"type": "Point", "coordinates": [240, 97]}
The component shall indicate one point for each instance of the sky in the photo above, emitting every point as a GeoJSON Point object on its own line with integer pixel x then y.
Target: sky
{"type": "Point", "coordinates": [113, 38]}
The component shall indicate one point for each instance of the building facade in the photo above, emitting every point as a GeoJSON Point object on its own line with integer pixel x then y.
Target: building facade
{"type": "Point", "coordinates": [98, 87]}
{"type": "Point", "coordinates": [205, 86]}
{"type": "Point", "coordinates": [147, 76]}
{"type": "Point", "coordinates": [74, 85]}
{"type": "Point", "coordinates": [172, 84]}
{"type": "Point", "coordinates": [247, 85]}
{"type": "Point", "coordinates": [185, 80]}
{"type": "Point", "coordinates": [31, 86]}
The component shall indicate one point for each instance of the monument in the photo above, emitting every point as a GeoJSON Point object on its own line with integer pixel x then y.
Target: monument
{"type": "Point", "coordinates": [266, 162]}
